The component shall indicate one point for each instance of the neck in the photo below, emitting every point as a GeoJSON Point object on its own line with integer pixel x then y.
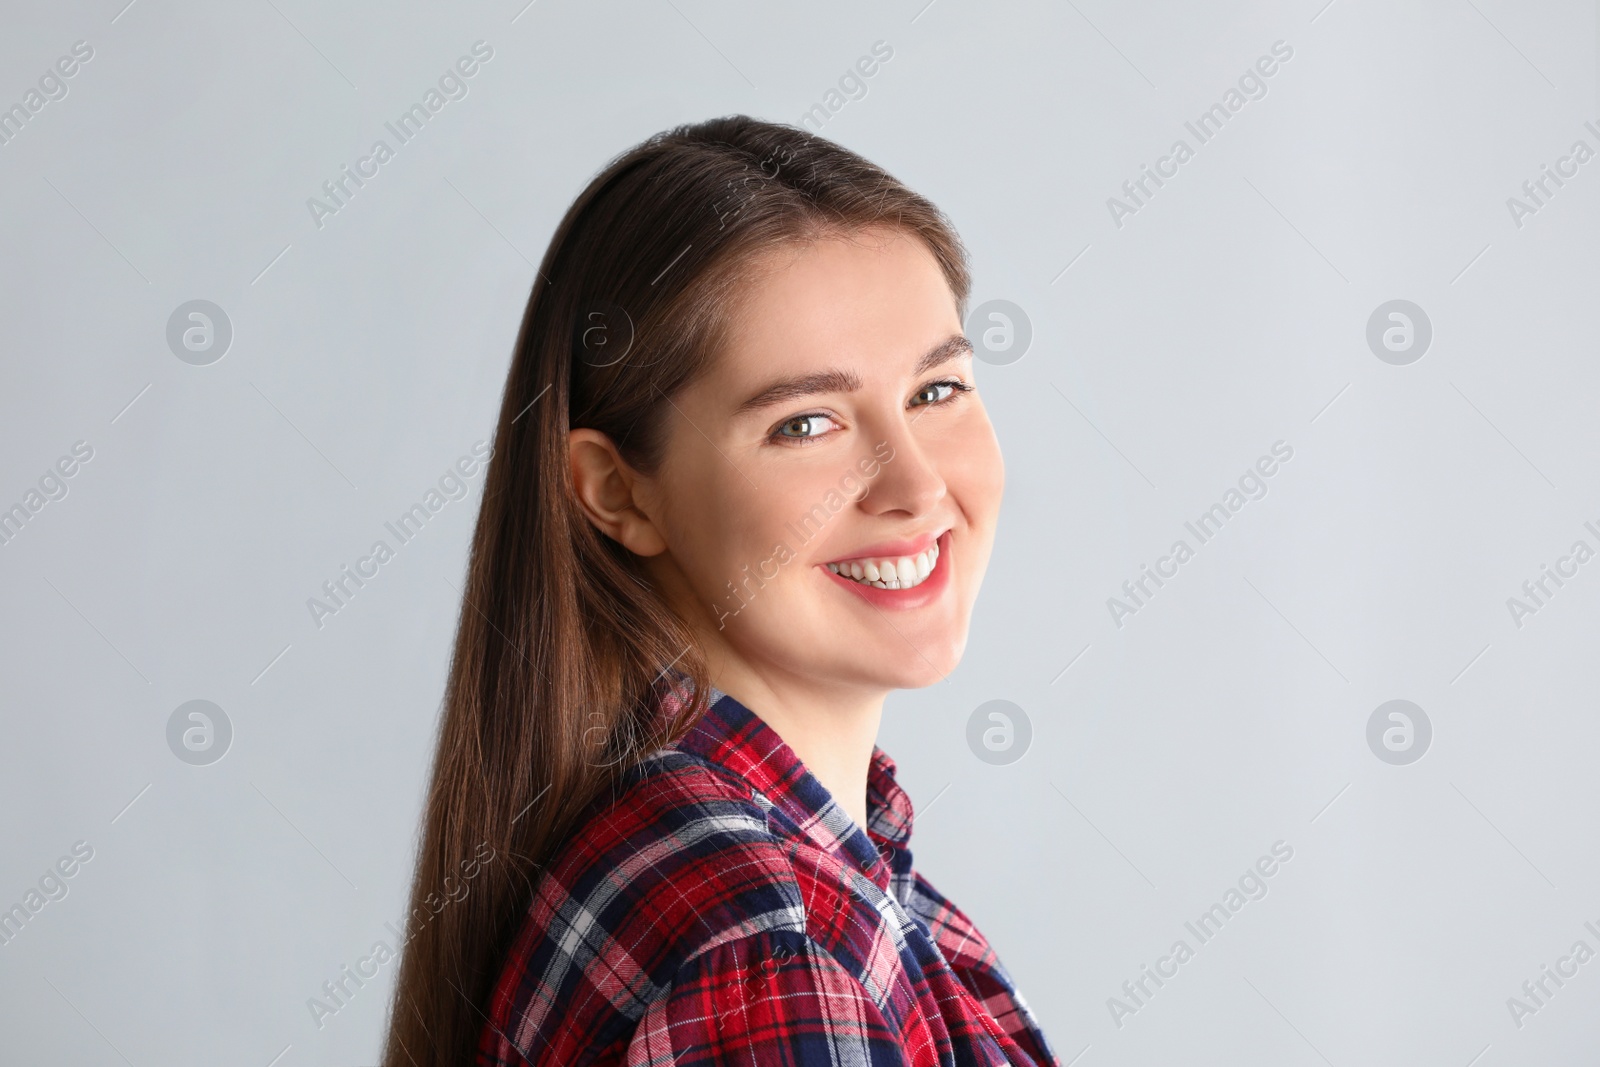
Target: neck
{"type": "Point", "coordinates": [831, 725]}
{"type": "Point", "coordinates": [832, 729]}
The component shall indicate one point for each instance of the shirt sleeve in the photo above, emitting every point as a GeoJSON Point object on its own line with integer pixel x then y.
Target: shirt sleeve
{"type": "Point", "coordinates": [772, 998]}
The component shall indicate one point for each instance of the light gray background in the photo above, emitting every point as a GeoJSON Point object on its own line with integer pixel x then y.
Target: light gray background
{"type": "Point", "coordinates": [1168, 354]}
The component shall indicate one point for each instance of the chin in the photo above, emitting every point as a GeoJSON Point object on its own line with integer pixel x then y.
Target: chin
{"type": "Point", "coordinates": [922, 663]}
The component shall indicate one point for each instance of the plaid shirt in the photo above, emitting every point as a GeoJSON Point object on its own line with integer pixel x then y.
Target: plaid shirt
{"type": "Point", "coordinates": [720, 908]}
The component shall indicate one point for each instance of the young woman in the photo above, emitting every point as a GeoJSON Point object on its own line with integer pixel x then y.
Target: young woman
{"type": "Point", "coordinates": [742, 488]}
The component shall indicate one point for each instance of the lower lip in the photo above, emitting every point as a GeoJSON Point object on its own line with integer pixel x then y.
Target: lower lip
{"type": "Point", "coordinates": [917, 596]}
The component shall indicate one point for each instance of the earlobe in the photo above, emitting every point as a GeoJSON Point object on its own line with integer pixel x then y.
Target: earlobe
{"type": "Point", "coordinates": [605, 487]}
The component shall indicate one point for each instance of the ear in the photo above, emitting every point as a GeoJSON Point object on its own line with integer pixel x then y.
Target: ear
{"type": "Point", "coordinates": [606, 489]}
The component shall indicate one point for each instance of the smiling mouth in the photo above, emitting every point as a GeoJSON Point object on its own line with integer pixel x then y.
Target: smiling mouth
{"type": "Point", "coordinates": [890, 572]}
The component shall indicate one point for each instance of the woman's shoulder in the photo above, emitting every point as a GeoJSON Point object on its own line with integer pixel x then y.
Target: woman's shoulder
{"type": "Point", "coordinates": [674, 861]}
{"type": "Point", "coordinates": [682, 839]}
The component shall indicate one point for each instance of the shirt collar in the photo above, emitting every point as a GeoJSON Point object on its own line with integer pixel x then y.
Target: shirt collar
{"type": "Point", "coordinates": [732, 736]}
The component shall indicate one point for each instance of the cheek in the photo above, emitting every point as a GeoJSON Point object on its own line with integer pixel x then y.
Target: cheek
{"type": "Point", "coordinates": [973, 467]}
{"type": "Point", "coordinates": [735, 531]}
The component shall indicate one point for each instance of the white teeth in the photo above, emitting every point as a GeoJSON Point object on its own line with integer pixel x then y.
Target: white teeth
{"type": "Point", "coordinates": [904, 572]}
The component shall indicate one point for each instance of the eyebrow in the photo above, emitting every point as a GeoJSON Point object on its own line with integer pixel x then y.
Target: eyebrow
{"type": "Point", "coordinates": [843, 381]}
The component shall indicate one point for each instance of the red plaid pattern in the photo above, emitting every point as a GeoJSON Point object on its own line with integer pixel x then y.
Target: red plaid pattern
{"type": "Point", "coordinates": [720, 908]}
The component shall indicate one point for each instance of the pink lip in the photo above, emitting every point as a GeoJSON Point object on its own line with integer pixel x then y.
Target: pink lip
{"type": "Point", "coordinates": [893, 549]}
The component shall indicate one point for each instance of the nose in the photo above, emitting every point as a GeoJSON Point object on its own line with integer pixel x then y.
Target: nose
{"type": "Point", "coordinates": [908, 481]}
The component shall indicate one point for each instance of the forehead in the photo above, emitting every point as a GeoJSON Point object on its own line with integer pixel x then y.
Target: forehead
{"type": "Point", "coordinates": [872, 299]}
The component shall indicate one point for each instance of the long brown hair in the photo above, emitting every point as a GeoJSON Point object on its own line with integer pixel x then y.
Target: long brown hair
{"type": "Point", "coordinates": [561, 639]}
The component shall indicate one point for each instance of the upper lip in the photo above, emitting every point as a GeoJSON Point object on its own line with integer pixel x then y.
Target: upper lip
{"type": "Point", "coordinates": [912, 546]}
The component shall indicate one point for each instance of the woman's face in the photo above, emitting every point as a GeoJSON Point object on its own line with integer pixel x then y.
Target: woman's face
{"type": "Point", "coordinates": [838, 435]}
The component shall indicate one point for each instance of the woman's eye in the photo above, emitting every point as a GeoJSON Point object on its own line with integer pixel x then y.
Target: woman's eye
{"type": "Point", "coordinates": [937, 392]}
{"type": "Point", "coordinates": [803, 426]}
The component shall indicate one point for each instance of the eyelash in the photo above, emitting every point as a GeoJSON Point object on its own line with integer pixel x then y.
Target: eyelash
{"type": "Point", "coordinates": [957, 389]}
